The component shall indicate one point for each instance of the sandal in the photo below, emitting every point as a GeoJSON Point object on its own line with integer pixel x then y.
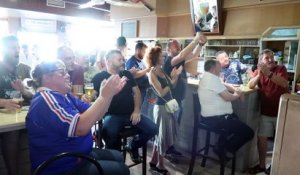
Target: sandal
{"type": "Point", "coordinates": [256, 169]}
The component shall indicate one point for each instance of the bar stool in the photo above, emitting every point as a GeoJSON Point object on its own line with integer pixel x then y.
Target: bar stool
{"type": "Point", "coordinates": [127, 132]}
{"type": "Point", "coordinates": [198, 124]}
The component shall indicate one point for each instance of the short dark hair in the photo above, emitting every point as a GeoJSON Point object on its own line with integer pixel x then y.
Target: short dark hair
{"type": "Point", "coordinates": [209, 64]}
{"type": "Point", "coordinates": [121, 41]}
{"type": "Point", "coordinates": [110, 53]}
{"type": "Point", "coordinates": [140, 45]}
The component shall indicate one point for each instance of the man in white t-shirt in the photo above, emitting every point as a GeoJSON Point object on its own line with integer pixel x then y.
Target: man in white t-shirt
{"type": "Point", "coordinates": [216, 109]}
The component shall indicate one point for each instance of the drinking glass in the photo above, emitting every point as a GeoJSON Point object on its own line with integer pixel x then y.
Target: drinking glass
{"type": "Point", "coordinates": [78, 90]}
{"type": "Point", "coordinates": [88, 89]}
{"type": "Point", "coordinates": [17, 97]}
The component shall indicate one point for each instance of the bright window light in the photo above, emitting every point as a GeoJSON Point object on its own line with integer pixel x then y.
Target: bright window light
{"type": "Point", "coordinates": [87, 36]}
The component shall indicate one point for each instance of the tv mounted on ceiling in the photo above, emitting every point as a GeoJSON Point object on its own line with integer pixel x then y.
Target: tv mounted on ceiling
{"type": "Point", "coordinates": [206, 16]}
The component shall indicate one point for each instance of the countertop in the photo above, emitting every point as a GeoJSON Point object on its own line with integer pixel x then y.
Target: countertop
{"type": "Point", "coordinates": [245, 89]}
{"type": "Point", "coordinates": [10, 121]}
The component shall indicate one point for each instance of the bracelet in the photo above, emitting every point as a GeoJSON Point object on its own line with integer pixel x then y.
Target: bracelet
{"type": "Point", "coordinates": [270, 75]}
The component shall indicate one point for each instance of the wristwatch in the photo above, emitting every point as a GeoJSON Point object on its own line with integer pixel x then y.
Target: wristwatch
{"type": "Point", "coordinates": [270, 75]}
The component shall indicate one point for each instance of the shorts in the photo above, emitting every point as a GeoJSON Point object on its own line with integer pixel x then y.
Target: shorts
{"type": "Point", "coordinates": [267, 126]}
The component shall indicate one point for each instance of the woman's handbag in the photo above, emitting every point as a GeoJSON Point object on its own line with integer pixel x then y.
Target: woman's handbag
{"type": "Point", "coordinates": [172, 106]}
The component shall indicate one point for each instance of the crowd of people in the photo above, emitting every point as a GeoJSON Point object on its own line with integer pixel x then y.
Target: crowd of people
{"type": "Point", "coordinates": [59, 120]}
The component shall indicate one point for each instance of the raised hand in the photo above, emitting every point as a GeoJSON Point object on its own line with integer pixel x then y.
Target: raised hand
{"type": "Point", "coordinates": [18, 85]}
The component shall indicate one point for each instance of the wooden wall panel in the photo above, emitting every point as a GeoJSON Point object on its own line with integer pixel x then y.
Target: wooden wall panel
{"type": "Point", "coordinates": [254, 21]}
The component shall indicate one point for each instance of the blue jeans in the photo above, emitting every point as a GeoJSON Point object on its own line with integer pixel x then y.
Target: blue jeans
{"type": "Point", "coordinates": [111, 162]}
{"type": "Point", "coordinates": [113, 124]}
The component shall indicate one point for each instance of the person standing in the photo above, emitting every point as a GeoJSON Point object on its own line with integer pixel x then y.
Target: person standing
{"type": "Point", "coordinates": [136, 61]}
{"type": "Point", "coordinates": [176, 58]}
{"type": "Point", "coordinates": [162, 85]}
{"type": "Point", "coordinates": [11, 75]}
{"type": "Point", "coordinates": [272, 81]}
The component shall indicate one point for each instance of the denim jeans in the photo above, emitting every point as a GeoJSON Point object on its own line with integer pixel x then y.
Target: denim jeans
{"type": "Point", "coordinates": [113, 124]}
{"type": "Point", "coordinates": [111, 162]}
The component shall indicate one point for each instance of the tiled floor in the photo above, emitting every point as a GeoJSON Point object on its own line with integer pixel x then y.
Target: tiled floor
{"type": "Point", "coordinates": [181, 168]}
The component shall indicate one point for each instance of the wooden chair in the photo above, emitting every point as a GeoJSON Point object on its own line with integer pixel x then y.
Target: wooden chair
{"type": "Point", "coordinates": [198, 124]}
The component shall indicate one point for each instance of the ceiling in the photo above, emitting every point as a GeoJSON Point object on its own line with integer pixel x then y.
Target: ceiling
{"type": "Point", "coordinates": [39, 9]}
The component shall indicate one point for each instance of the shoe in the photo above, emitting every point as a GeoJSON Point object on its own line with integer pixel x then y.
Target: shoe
{"type": "Point", "coordinates": [268, 170]}
{"type": "Point", "coordinates": [160, 171]}
{"type": "Point", "coordinates": [174, 152]}
{"type": "Point", "coordinates": [134, 154]}
{"type": "Point", "coordinates": [256, 169]}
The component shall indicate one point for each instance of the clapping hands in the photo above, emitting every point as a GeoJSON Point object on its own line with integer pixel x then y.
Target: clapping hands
{"type": "Point", "coordinates": [176, 71]}
{"type": "Point", "coordinates": [113, 85]}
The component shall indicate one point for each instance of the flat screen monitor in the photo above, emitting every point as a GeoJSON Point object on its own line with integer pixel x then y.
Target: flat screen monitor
{"type": "Point", "coordinates": [206, 16]}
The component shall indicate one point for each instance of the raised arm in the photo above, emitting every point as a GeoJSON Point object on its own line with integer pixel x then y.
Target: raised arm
{"type": "Point", "coordinates": [192, 50]}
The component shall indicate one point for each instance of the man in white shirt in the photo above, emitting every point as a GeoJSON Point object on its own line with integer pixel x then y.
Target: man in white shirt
{"type": "Point", "coordinates": [216, 109]}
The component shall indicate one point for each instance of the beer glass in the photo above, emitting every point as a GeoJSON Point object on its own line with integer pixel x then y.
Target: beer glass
{"type": "Point", "coordinates": [78, 90]}
{"type": "Point", "coordinates": [17, 97]}
{"type": "Point", "coordinates": [88, 89]}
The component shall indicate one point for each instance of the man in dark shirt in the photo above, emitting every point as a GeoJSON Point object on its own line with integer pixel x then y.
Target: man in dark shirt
{"type": "Point", "coordinates": [176, 58]}
{"type": "Point", "coordinates": [124, 108]}
{"type": "Point", "coordinates": [11, 75]}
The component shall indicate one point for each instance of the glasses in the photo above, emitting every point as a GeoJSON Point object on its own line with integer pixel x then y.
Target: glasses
{"type": "Point", "coordinates": [62, 72]}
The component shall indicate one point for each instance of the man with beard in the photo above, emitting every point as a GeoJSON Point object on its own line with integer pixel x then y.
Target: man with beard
{"type": "Point", "coordinates": [136, 62]}
{"type": "Point", "coordinates": [272, 81]}
{"type": "Point", "coordinates": [125, 108]}
{"type": "Point", "coordinates": [11, 75]}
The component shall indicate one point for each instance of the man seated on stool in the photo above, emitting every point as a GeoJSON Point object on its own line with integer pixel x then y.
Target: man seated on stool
{"type": "Point", "coordinates": [124, 109]}
{"type": "Point", "coordinates": [216, 109]}
{"type": "Point", "coordinates": [57, 122]}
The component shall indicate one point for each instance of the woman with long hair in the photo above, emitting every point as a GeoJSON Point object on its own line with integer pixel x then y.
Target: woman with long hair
{"type": "Point", "coordinates": [162, 85]}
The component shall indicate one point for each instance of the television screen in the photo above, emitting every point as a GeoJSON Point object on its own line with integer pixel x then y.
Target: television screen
{"type": "Point", "coordinates": [206, 15]}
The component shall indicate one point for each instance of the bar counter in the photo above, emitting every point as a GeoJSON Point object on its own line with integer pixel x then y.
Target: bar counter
{"type": "Point", "coordinates": [248, 112]}
{"type": "Point", "coordinates": [11, 121]}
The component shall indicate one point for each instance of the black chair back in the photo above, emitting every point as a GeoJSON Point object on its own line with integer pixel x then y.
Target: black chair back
{"type": "Point", "coordinates": [42, 166]}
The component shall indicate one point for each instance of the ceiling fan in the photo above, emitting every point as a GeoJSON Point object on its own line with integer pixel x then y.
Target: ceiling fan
{"type": "Point", "coordinates": [123, 3]}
